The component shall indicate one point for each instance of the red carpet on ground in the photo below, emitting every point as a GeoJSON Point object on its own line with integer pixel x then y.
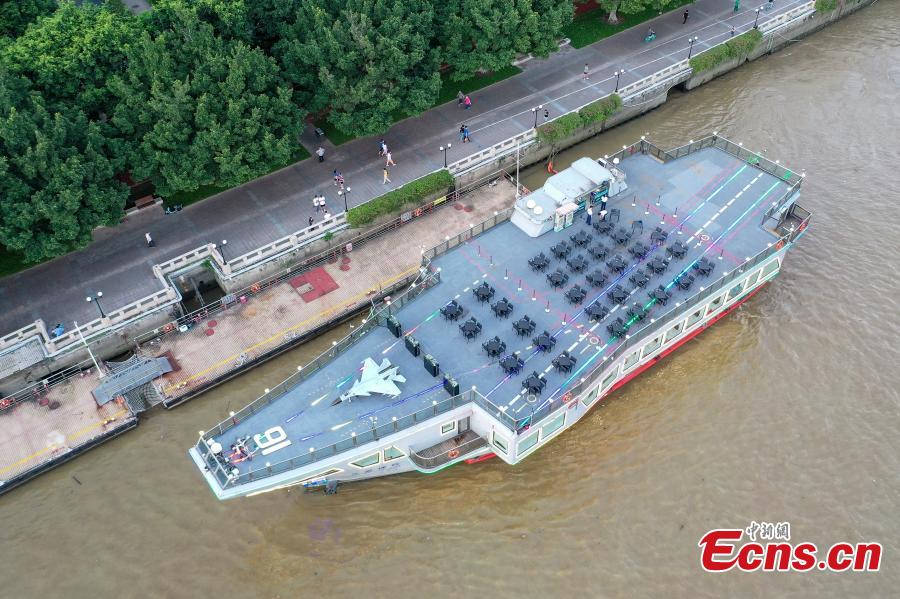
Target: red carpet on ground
{"type": "Point", "coordinates": [320, 281]}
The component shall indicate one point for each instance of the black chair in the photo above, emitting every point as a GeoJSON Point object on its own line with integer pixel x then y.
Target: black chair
{"type": "Point", "coordinates": [578, 263]}
{"type": "Point", "coordinates": [576, 294]}
{"type": "Point", "coordinates": [598, 252]}
{"type": "Point", "coordinates": [539, 262]}
{"type": "Point", "coordinates": [660, 294]}
{"type": "Point", "coordinates": [596, 278]}
{"type": "Point", "coordinates": [616, 327]}
{"type": "Point", "coordinates": [603, 226]}
{"type": "Point", "coordinates": [544, 342]}
{"type": "Point", "coordinates": [685, 282]}
{"type": "Point", "coordinates": [561, 249]}
{"type": "Point", "coordinates": [596, 312]}
{"type": "Point", "coordinates": [564, 362]}
{"type": "Point", "coordinates": [639, 278]}
{"type": "Point", "coordinates": [503, 308]}
{"type": "Point", "coordinates": [524, 326]}
{"type": "Point", "coordinates": [558, 278]}
{"type": "Point", "coordinates": [658, 235]}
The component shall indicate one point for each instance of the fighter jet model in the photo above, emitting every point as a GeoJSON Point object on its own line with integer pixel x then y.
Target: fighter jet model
{"type": "Point", "coordinates": [375, 379]}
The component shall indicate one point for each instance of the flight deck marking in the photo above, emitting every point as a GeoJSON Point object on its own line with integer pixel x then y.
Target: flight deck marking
{"type": "Point", "coordinates": [318, 400]}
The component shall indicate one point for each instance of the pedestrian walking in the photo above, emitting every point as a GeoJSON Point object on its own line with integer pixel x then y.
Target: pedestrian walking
{"type": "Point", "coordinates": [389, 160]}
{"type": "Point", "coordinates": [316, 203]}
{"type": "Point", "coordinates": [149, 239]}
{"type": "Point", "coordinates": [460, 98]}
{"type": "Point", "coordinates": [321, 154]}
{"type": "Point", "coordinates": [340, 182]}
{"type": "Point", "coordinates": [311, 220]}
{"type": "Point", "coordinates": [467, 102]}
{"type": "Point", "coordinates": [590, 212]}
{"type": "Point", "coordinates": [326, 216]}
{"type": "Point", "coordinates": [732, 31]}
{"type": "Point", "coordinates": [586, 73]}
{"type": "Point", "coordinates": [382, 148]}
{"type": "Point", "coordinates": [685, 16]}
{"type": "Point", "coordinates": [336, 175]}
{"type": "Point", "coordinates": [462, 132]}
{"type": "Point", "coordinates": [386, 178]}
{"type": "Point", "coordinates": [466, 134]}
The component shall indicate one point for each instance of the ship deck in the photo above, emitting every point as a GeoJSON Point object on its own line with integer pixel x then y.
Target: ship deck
{"type": "Point", "coordinates": [709, 200]}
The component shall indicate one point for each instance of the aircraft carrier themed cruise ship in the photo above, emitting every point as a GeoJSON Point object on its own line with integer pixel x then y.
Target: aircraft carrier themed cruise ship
{"type": "Point", "coordinates": [519, 326]}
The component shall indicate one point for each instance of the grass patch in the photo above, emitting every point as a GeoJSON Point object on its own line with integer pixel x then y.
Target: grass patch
{"type": "Point", "coordinates": [590, 27]}
{"type": "Point", "coordinates": [394, 201]}
{"type": "Point", "coordinates": [733, 48]}
{"type": "Point", "coordinates": [447, 93]}
{"type": "Point", "coordinates": [186, 198]}
{"type": "Point", "coordinates": [12, 262]}
{"type": "Point", "coordinates": [825, 5]}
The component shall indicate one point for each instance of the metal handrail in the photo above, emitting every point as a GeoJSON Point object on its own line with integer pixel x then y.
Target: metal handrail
{"type": "Point", "coordinates": [427, 463]}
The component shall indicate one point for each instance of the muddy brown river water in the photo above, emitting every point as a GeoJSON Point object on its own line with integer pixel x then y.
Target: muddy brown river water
{"type": "Point", "coordinates": [788, 410]}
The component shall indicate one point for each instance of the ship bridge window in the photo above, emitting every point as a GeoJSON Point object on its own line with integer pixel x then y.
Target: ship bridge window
{"type": "Point", "coordinates": [527, 443]}
{"type": "Point", "coordinates": [369, 460]}
{"type": "Point", "coordinates": [694, 318]}
{"type": "Point", "coordinates": [392, 453]}
{"type": "Point", "coordinates": [631, 360]}
{"type": "Point", "coordinates": [609, 378]}
{"type": "Point", "coordinates": [500, 443]}
{"type": "Point", "coordinates": [448, 427]}
{"type": "Point", "coordinates": [592, 396]}
{"type": "Point", "coordinates": [674, 331]}
{"type": "Point", "coordinates": [553, 425]}
{"type": "Point", "coordinates": [714, 305]}
{"type": "Point", "coordinates": [653, 346]}
{"type": "Point", "coordinates": [735, 291]}
{"type": "Point", "coordinates": [753, 279]}
{"type": "Point", "coordinates": [769, 268]}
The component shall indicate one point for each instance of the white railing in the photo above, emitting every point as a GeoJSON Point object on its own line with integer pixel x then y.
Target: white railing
{"type": "Point", "coordinates": [778, 21]}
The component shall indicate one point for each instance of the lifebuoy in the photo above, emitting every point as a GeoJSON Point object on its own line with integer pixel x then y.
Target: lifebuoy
{"type": "Point", "coordinates": [780, 244]}
{"type": "Point", "coordinates": [169, 327]}
{"type": "Point", "coordinates": [453, 454]}
{"type": "Point", "coordinates": [255, 287]}
{"type": "Point", "coordinates": [567, 397]}
{"type": "Point", "coordinates": [5, 403]}
{"type": "Point", "coordinates": [417, 212]}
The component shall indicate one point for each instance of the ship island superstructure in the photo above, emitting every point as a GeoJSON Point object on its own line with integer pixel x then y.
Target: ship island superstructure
{"type": "Point", "coordinates": [520, 325]}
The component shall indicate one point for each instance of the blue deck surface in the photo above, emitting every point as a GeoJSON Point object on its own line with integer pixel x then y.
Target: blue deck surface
{"type": "Point", "coordinates": [715, 200]}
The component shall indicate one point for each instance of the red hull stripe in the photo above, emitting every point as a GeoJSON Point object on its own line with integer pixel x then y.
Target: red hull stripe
{"type": "Point", "coordinates": [687, 338]}
{"type": "Point", "coordinates": [481, 458]}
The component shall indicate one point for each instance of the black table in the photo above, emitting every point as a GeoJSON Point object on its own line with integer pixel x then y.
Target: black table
{"type": "Point", "coordinates": [677, 250]}
{"type": "Point", "coordinates": [635, 312]}
{"type": "Point", "coordinates": [561, 249]}
{"type": "Point", "coordinates": [564, 362]}
{"type": "Point", "coordinates": [545, 341]}
{"type": "Point", "coordinates": [483, 292]}
{"type": "Point", "coordinates": [598, 252]}
{"type": "Point", "coordinates": [603, 226]}
{"type": "Point", "coordinates": [638, 249]}
{"type": "Point", "coordinates": [470, 328]}
{"type": "Point", "coordinates": [639, 278]}
{"type": "Point", "coordinates": [596, 278]}
{"type": "Point", "coordinates": [616, 263]}
{"type": "Point", "coordinates": [578, 263]}
{"type": "Point", "coordinates": [596, 311]}
{"type": "Point", "coordinates": [618, 294]}
{"type": "Point", "coordinates": [539, 262]}
{"type": "Point", "coordinates": [685, 282]}
{"type": "Point", "coordinates": [657, 265]}
{"type": "Point", "coordinates": [524, 326]}
{"type": "Point", "coordinates": [452, 311]}
{"type": "Point", "coordinates": [511, 364]}
{"type": "Point", "coordinates": [494, 347]}
{"type": "Point", "coordinates": [503, 308]}
{"type": "Point", "coordinates": [581, 238]}
{"type": "Point", "coordinates": [616, 327]}
{"type": "Point", "coordinates": [558, 278]}
{"type": "Point", "coordinates": [661, 295]}
{"type": "Point", "coordinates": [704, 267]}
{"type": "Point", "coordinates": [534, 383]}
{"type": "Point", "coordinates": [621, 236]}
{"type": "Point", "coordinates": [658, 235]}
{"type": "Point", "coordinates": [576, 294]}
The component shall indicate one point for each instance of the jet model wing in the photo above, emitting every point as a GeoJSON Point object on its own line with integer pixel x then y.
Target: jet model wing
{"type": "Point", "coordinates": [379, 379]}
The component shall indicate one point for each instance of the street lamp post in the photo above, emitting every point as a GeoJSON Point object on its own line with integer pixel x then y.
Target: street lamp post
{"type": "Point", "coordinates": [534, 111]}
{"type": "Point", "coordinates": [691, 49]}
{"type": "Point", "coordinates": [755, 21]}
{"type": "Point", "coordinates": [222, 251]}
{"type": "Point", "coordinates": [345, 194]}
{"type": "Point", "coordinates": [444, 150]}
{"type": "Point", "coordinates": [96, 300]}
{"type": "Point", "coordinates": [618, 75]}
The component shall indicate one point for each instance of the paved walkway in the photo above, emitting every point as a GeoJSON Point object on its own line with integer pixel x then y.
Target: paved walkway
{"type": "Point", "coordinates": [118, 263]}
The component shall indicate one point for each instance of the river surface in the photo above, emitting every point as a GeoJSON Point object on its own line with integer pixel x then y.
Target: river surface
{"type": "Point", "coordinates": [787, 410]}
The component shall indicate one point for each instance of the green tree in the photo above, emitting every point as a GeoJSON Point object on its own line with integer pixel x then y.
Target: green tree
{"type": "Point", "coordinates": [70, 55]}
{"type": "Point", "coordinates": [368, 60]}
{"type": "Point", "coordinates": [256, 22]}
{"type": "Point", "coordinates": [203, 110]}
{"type": "Point", "coordinates": [613, 7]}
{"type": "Point", "coordinates": [16, 15]}
{"type": "Point", "coordinates": [56, 184]}
{"type": "Point", "coordinates": [546, 23]}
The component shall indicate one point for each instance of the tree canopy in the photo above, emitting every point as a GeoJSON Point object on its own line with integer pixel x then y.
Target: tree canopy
{"type": "Point", "coordinates": [16, 15]}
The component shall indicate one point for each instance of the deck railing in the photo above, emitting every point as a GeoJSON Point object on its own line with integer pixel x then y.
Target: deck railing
{"type": "Point", "coordinates": [431, 462]}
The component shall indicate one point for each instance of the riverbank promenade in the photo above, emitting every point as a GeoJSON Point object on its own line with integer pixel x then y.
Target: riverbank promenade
{"type": "Point", "coordinates": [119, 263]}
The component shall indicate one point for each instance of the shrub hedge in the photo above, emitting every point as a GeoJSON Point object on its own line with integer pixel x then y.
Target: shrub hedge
{"type": "Point", "coordinates": [825, 5]}
{"type": "Point", "coordinates": [566, 125]}
{"type": "Point", "coordinates": [733, 48]}
{"type": "Point", "coordinates": [393, 201]}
